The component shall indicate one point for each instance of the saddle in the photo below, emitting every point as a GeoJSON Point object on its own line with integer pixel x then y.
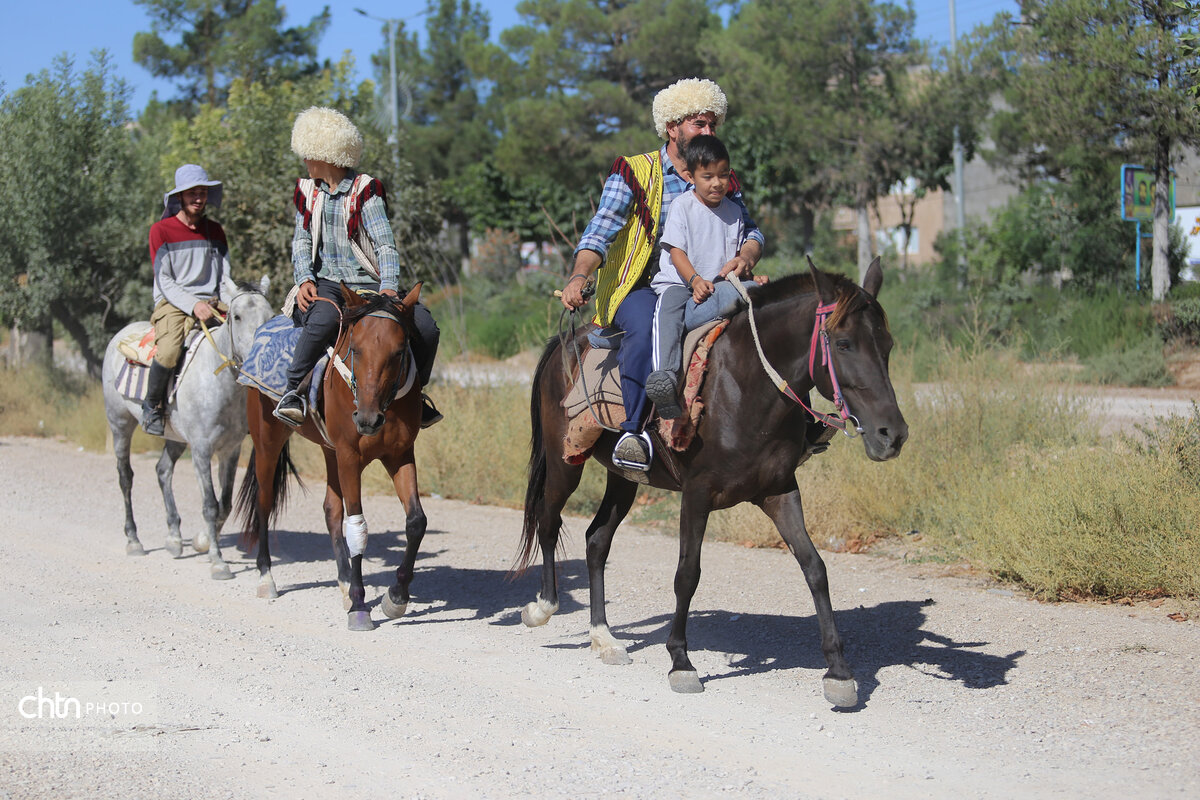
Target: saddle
{"type": "Point", "coordinates": [139, 348]}
{"type": "Point", "coordinates": [602, 406]}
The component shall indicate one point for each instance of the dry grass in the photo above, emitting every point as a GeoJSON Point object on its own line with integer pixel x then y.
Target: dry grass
{"type": "Point", "coordinates": [999, 470]}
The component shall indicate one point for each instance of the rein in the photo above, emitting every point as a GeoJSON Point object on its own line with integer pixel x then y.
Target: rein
{"type": "Point", "coordinates": [820, 336]}
{"type": "Point", "coordinates": [589, 289]}
{"type": "Point", "coordinates": [226, 361]}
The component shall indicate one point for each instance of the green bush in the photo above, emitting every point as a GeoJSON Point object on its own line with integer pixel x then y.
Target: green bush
{"type": "Point", "coordinates": [1143, 364]}
{"type": "Point", "coordinates": [1181, 322]}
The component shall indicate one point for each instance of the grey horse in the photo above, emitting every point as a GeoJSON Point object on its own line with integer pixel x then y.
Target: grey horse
{"type": "Point", "coordinates": [207, 413]}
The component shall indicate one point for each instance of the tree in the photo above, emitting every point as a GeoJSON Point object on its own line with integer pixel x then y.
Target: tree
{"type": "Point", "coordinates": [816, 87]}
{"type": "Point", "coordinates": [219, 41]}
{"type": "Point", "coordinates": [74, 234]}
{"type": "Point", "coordinates": [1104, 78]}
{"type": "Point", "coordinates": [448, 128]}
{"type": "Point", "coordinates": [575, 82]}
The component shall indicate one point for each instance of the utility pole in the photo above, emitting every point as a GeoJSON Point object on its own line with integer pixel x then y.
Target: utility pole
{"type": "Point", "coordinates": [960, 211]}
{"type": "Point", "coordinates": [394, 136]}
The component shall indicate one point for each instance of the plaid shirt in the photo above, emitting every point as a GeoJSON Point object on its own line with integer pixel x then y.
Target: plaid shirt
{"type": "Point", "coordinates": [617, 200]}
{"type": "Point", "coordinates": [338, 262]}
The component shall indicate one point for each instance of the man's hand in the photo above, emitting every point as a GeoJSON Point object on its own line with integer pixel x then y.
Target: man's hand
{"type": "Point", "coordinates": [203, 311]}
{"type": "Point", "coordinates": [572, 292]}
{"type": "Point", "coordinates": [306, 295]}
{"type": "Point", "coordinates": [739, 266]}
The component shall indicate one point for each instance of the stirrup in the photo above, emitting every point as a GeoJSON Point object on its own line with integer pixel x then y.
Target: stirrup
{"type": "Point", "coordinates": [429, 413]}
{"type": "Point", "coordinates": [154, 421]}
{"type": "Point", "coordinates": [631, 449]}
{"type": "Point", "coordinates": [291, 409]}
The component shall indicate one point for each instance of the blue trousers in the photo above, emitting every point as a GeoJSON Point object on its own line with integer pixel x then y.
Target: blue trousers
{"type": "Point", "coordinates": [635, 316]}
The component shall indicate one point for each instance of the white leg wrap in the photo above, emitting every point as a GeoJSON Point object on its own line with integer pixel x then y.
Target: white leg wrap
{"type": "Point", "coordinates": [354, 527]}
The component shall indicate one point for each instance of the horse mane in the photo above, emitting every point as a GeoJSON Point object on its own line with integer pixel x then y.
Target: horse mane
{"type": "Point", "coordinates": [848, 296]}
{"type": "Point", "coordinates": [249, 286]}
{"type": "Point", "coordinates": [375, 302]}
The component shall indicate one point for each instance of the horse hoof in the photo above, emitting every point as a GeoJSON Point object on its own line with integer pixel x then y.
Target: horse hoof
{"type": "Point", "coordinates": [685, 681]}
{"type": "Point", "coordinates": [200, 543]}
{"type": "Point", "coordinates": [174, 547]}
{"type": "Point", "coordinates": [535, 615]}
{"type": "Point", "coordinates": [391, 610]}
{"type": "Point", "coordinates": [841, 693]}
{"type": "Point", "coordinates": [360, 621]}
{"type": "Point", "coordinates": [616, 656]}
{"type": "Point", "coordinates": [266, 590]}
{"type": "Point", "coordinates": [220, 572]}
{"type": "Point", "coordinates": [134, 549]}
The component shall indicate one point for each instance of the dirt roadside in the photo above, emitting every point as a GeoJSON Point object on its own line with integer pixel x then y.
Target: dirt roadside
{"type": "Point", "coordinates": [967, 689]}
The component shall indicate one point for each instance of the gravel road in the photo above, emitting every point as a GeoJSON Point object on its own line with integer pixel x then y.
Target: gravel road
{"type": "Point", "coordinates": [967, 689]}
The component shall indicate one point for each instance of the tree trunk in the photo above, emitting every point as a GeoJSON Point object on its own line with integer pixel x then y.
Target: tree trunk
{"type": "Point", "coordinates": [1160, 274]}
{"type": "Point", "coordinates": [808, 228]}
{"type": "Point", "coordinates": [29, 346]}
{"type": "Point", "coordinates": [862, 229]}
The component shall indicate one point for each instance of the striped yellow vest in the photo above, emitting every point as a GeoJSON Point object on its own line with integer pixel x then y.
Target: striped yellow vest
{"type": "Point", "coordinates": [630, 252]}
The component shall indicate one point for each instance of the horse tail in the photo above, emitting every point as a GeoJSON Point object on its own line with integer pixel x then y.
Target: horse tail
{"type": "Point", "coordinates": [535, 491]}
{"type": "Point", "coordinates": [247, 497]}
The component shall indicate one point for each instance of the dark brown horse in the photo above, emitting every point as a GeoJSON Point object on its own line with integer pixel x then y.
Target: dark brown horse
{"type": "Point", "coordinates": [366, 420]}
{"type": "Point", "coordinates": [747, 447]}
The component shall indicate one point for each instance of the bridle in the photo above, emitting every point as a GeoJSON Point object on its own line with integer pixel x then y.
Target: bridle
{"type": "Point", "coordinates": [820, 337]}
{"type": "Point", "coordinates": [407, 374]}
{"type": "Point", "coordinates": [231, 360]}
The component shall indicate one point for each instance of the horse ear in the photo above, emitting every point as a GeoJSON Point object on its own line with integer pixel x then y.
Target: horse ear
{"type": "Point", "coordinates": [351, 297]}
{"type": "Point", "coordinates": [873, 281]}
{"type": "Point", "coordinates": [821, 282]}
{"type": "Point", "coordinates": [264, 283]}
{"type": "Point", "coordinates": [413, 295]}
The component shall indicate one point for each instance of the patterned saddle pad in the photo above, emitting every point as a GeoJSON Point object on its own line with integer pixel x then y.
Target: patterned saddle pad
{"type": "Point", "coordinates": [603, 379]}
{"type": "Point", "coordinates": [134, 375]}
{"type": "Point", "coordinates": [270, 357]}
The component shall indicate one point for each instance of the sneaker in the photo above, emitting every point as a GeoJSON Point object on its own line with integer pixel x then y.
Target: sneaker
{"type": "Point", "coordinates": [429, 413]}
{"type": "Point", "coordinates": [660, 390]}
{"type": "Point", "coordinates": [153, 420]}
{"type": "Point", "coordinates": [633, 451]}
{"type": "Point", "coordinates": [290, 409]}
{"type": "Point", "coordinates": [818, 434]}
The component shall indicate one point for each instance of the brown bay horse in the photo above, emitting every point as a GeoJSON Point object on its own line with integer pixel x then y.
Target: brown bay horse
{"type": "Point", "coordinates": [366, 419]}
{"type": "Point", "coordinates": [748, 444]}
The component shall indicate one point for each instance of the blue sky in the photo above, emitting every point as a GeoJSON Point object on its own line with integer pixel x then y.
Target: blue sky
{"type": "Point", "coordinates": [38, 31]}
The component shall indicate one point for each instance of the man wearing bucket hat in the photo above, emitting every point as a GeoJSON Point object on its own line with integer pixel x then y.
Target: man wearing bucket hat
{"type": "Point", "coordinates": [622, 240]}
{"type": "Point", "coordinates": [342, 235]}
{"type": "Point", "coordinates": [191, 271]}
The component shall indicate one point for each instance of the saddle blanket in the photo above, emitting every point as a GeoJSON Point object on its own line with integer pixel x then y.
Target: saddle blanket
{"type": "Point", "coordinates": [134, 375]}
{"type": "Point", "coordinates": [602, 378]}
{"type": "Point", "coordinates": [270, 357]}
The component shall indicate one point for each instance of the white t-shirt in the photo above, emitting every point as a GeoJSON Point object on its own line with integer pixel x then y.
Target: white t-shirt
{"type": "Point", "coordinates": [709, 236]}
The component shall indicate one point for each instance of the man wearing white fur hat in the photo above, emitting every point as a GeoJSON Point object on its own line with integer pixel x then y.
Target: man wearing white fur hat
{"type": "Point", "coordinates": [623, 241]}
{"type": "Point", "coordinates": [342, 235]}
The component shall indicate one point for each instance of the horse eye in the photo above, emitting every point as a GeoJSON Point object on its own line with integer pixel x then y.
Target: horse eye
{"type": "Point", "coordinates": [843, 344]}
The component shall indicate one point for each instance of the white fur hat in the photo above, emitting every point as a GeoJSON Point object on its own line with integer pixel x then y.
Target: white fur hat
{"type": "Point", "coordinates": [686, 98]}
{"type": "Point", "coordinates": [324, 134]}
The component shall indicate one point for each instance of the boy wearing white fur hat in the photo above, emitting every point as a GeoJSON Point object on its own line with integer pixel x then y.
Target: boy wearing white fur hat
{"type": "Point", "coordinates": [622, 240]}
{"type": "Point", "coordinates": [342, 235]}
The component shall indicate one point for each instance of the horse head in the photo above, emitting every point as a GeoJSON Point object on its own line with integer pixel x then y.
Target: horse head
{"type": "Point", "coordinates": [248, 309]}
{"type": "Point", "coordinates": [375, 348]}
{"type": "Point", "coordinates": [859, 343]}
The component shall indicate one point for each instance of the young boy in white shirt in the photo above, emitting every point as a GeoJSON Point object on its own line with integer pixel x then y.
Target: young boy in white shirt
{"type": "Point", "coordinates": [700, 244]}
